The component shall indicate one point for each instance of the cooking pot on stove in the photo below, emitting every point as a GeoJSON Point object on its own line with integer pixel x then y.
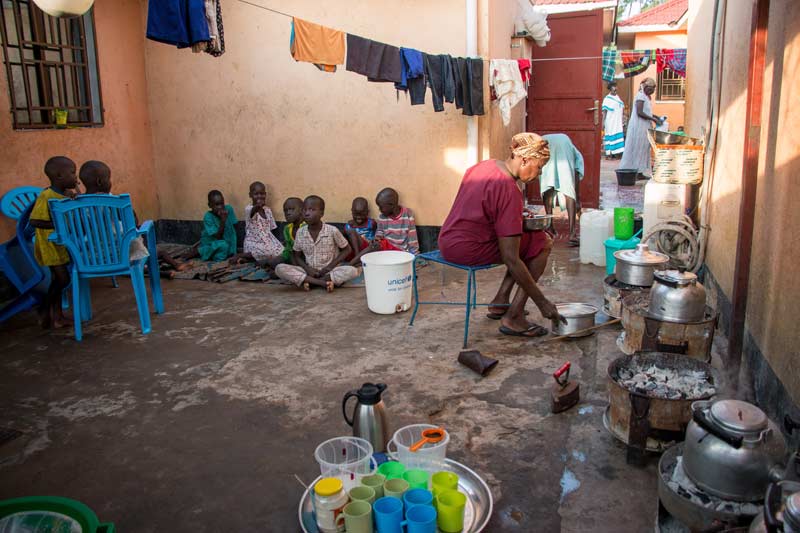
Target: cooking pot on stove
{"type": "Point", "coordinates": [781, 509]}
{"type": "Point", "coordinates": [678, 296]}
{"type": "Point", "coordinates": [732, 450]}
{"type": "Point", "coordinates": [636, 267]}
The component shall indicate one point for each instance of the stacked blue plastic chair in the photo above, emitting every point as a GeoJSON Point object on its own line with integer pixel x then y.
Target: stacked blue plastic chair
{"type": "Point", "coordinates": [16, 201]}
{"type": "Point", "coordinates": [97, 231]}
{"type": "Point", "coordinates": [19, 265]}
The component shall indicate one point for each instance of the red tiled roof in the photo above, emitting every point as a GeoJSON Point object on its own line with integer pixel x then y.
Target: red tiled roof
{"type": "Point", "coordinates": [551, 2]}
{"type": "Point", "coordinates": [669, 12]}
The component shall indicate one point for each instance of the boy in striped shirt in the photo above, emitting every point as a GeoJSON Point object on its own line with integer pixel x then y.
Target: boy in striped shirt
{"type": "Point", "coordinates": [396, 229]}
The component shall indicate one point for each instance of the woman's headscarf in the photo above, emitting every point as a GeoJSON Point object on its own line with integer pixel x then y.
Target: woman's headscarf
{"type": "Point", "coordinates": [529, 146]}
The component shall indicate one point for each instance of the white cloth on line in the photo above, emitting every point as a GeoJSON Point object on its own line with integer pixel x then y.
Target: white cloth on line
{"type": "Point", "coordinates": [505, 77]}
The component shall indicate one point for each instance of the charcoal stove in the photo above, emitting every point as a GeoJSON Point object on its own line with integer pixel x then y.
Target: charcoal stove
{"type": "Point", "coordinates": [614, 291]}
{"type": "Point", "coordinates": [644, 332]}
{"type": "Point", "coordinates": [690, 506]}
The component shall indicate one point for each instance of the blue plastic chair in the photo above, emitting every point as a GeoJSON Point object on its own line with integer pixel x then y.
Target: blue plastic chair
{"type": "Point", "coordinates": [17, 200]}
{"type": "Point", "coordinates": [472, 288]}
{"type": "Point", "coordinates": [19, 265]}
{"type": "Point", "coordinates": [97, 230]}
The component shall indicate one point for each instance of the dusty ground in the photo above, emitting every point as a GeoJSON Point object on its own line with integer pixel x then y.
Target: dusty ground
{"type": "Point", "coordinates": [202, 425]}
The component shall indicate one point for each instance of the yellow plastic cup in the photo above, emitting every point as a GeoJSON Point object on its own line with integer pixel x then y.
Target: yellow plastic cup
{"type": "Point", "coordinates": [450, 511]}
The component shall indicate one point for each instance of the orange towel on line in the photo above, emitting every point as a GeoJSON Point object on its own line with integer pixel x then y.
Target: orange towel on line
{"type": "Point", "coordinates": [317, 44]}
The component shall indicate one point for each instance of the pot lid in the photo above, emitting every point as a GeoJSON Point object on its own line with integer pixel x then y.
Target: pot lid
{"type": "Point", "coordinates": [791, 514]}
{"type": "Point", "coordinates": [738, 416]}
{"type": "Point", "coordinates": [576, 310]}
{"type": "Point", "coordinates": [642, 256]}
{"type": "Point", "coordinates": [677, 276]}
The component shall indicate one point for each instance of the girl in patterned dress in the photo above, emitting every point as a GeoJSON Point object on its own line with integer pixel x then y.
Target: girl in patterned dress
{"type": "Point", "coordinates": [260, 245]}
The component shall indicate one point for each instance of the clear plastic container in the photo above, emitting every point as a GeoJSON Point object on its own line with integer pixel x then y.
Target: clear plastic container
{"type": "Point", "coordinates": [596, 227]}
{"type": "Point", "coordinates": [346, 458]}
{"type": "Point", "coordinates": [429, 457]}
{"type": "Point", "coordinates": [329, 499]}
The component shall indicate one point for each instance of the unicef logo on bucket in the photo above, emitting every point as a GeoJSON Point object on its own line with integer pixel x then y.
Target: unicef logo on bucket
{"type": "Point", "coordinates": [398, 284]}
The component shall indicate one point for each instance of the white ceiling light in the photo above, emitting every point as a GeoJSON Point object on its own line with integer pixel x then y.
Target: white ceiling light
{"type": "Point", "coordinates": [64, 8]}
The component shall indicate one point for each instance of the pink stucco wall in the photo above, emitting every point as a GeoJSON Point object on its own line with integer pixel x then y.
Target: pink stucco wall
{"type": "Point", "coordinates": [125, 142]}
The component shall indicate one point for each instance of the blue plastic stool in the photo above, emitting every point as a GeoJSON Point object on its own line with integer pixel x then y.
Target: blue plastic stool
{"type": "Point", "coordinates": [472, 288]}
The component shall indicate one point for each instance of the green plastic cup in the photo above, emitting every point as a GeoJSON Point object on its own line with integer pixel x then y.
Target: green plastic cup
{"type": "Point", "coordinates": [417, 479]}
{"type": "Point", "coordinates": [362, 493]}
{"type": "Point", "coordinates": [450, 511]}
{"type": "Point", "coordinates": [375, 482]}
{"type": "Point", "coordinates": [395, 488]}
{"type": "Point", "coordinates": [392, 469]}
{"type": "Point", "coordinates": [623, 223]}
{"type": "Point", "coordinates": [442, 481]}
{"type": "Point", "coordinates": [357, 517]}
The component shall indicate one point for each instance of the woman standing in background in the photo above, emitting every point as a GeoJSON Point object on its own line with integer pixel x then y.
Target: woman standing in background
{"type": "Point", "coordinates": [613, 135]}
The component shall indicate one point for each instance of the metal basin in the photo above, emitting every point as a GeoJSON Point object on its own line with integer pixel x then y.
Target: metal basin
{"type": "Point", "coordinates": [536, 223]}
{"type": "Point", "coordinates": [579, 317]}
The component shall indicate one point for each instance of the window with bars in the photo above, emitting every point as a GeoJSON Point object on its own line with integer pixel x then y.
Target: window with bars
{"type": "Point", "coordinates": [670, 86]}
{"type": "Point", "coordinates": [51, 66]}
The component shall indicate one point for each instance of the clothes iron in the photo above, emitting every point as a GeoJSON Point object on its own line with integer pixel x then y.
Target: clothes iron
{"type": "Point", "coordinates": [565, 393]}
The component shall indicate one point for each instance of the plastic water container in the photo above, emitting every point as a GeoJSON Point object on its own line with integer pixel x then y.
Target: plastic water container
{"type": "Point", "coordinates": [596, 227]}
{"type": "Point", "coordinates": [388, 277]}
{"type": "Point", "coordinates": [430, 456]}
{"type": "Point", "coordinates": [346, 458]}
{"type": "Point", "coordinates": [664, 201]}
{"type": "Point", "coordinates": [615, 245]}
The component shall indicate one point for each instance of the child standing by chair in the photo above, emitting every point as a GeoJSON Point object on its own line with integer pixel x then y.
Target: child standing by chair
{"type": "Point", "coordinates": [319, 249]}
{"type": "Point", "coordinates": [396, 228]}
{"type": "Point", "coordinates": [260, 244]}
{"type": "Point", "coordinates": [61, 172]}
{"type": "Point", "coordinates": [360, 231]}
{"type": "Point", "coordinates": [218, 240]}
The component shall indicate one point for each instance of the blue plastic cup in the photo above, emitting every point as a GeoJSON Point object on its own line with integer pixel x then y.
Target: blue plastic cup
{"type": "Point", "coordinates": [421, 519]}
{"type": "Point", "coordinates": [388, 513]}
{"type": "Point", "coordinates": [417, 497]}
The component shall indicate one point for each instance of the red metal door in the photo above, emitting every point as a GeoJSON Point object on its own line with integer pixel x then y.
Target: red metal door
{"type": "Point", "coordinates": [565, 93]}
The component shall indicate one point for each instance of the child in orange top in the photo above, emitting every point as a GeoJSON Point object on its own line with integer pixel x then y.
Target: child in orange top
{"type": "Point", "coordinates": [61, 172]}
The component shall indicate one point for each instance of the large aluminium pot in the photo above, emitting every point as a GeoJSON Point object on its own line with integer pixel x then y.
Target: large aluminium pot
{"type": "Point", "coordinates": [732, 450]}
{"type": "Point", "coordinates": [677, 296]}
{"type": "Point", "coordinates": [636, 267]}
{"type": "Point", "coordinates": [579, 317]}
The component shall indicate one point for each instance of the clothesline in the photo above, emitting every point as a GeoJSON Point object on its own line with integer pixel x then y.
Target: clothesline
{"type": "Point", "coordinates": [585, 57]}
{"type": "Point", "coordinates": [266, 8]}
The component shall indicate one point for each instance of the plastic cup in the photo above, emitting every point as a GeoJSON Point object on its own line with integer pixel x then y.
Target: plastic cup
{"type": "Point", "coordinates": [395, 488]}
{"type": "Point", "coordinates": [623, 223]}
{"type": "Point", "coordinates": [450, 511]}
{"type": "Point", "coordinates": [417, 479]}
{"type": "Point", "coordinates": [414, 497]}
{"type": "Point", "coordinates": [388, 515]}
{"type": "Point", "coordinates": [392, 469]}
{"type": "Point", "coordinates": [362, 493]}
{"type": "Point", "coordinates": [442, 481]}
{"type": "Point", "coordinates": [375, 482]}
{"type": "Point", "coordinates": [421, 519]}
{"type": "Point", "coordinates": [357, 517]}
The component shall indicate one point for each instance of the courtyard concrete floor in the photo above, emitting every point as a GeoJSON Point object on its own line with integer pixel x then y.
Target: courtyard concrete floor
{"type": "Point", "coordinates": [203, 424]}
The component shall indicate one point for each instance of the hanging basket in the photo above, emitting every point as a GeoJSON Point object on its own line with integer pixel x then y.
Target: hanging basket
{"type": "Point", "coordinates": [64, 8]}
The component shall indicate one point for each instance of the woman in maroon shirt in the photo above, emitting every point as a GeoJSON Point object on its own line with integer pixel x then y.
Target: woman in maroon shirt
{"type": "Point", "coordinates": [485, 226]}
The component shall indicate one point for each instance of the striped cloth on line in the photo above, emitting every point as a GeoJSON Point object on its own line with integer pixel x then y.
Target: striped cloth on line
{"type": "Point", "coordinates": [609, 63]}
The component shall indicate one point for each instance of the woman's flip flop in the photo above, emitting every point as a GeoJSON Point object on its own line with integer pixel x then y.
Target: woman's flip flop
{"type": "Point", "coordinates": [534, 330]}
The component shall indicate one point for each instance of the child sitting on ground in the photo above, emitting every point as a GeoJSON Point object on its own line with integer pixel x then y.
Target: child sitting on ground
{"type": "Point", "coordinates": [319, 250]}
{"type": "Point", "coordinates": [96, 179]}
{"type": "Point", "coordinates": [61, 172]}
{"type": "Point", "coordinates": [360, 231]}
{"type": "Point", "coordinates": [396, 228]}
{"type": "Point", "coordinates": [293, 213]}
{"type": "Point", "coordinates": [218, 240]}
{"type": "Point", "coordinates": [260, 244]}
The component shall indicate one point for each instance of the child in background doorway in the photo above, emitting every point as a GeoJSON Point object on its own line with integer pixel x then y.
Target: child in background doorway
{"type": "Point", "coordinates": [61, 172]}
{"type": "Point", "coordinates": [293, 213]}
{"type": "Point", "coordinates": [260, 244]}
{"type": "Point", "coordinates": [396, 228]}
{"type": "Point", "coordinates": [360, 231]}
{"type": "Point", "coordinates": [218, 240]}
{"type": "Point", "coordinates": [96, 179]}
{"type": "Point", "coordinates": [319, 249]}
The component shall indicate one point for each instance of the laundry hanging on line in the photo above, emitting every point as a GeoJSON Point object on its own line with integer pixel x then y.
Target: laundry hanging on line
{"type": "Point", "coordinates": [320, 45]}
{"type": "Point", "coordinates": [377, 61]}
{"type": "Point", "coordinates": [629, 63]}
{"type": "Point", "coordinates": [508, 88]}
{"type": "Point", "coordinates": [187, 23]}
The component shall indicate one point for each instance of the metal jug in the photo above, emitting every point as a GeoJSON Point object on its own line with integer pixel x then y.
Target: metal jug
{"type": "Point", "coordinates": [369, 420]}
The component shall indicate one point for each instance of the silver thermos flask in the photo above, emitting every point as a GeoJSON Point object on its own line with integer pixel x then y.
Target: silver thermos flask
{"type": "Point", "coordinates": [369, 416]}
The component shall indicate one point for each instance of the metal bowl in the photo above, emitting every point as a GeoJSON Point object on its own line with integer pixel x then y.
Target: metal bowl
{"type": "Point", "coordinates": [536, 223]}
{"type": "Point", "coordinates": [579, 317]}
{"type": "Point", "coordinates": [665, 137]}
{"type": "Point", "coordinates": [477, 511]}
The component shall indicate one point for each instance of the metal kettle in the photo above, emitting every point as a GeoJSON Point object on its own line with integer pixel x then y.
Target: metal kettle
{"type": "Point", "coordinates": [369, 419]}
{"type": "Point", "coordinates": [677, 296]}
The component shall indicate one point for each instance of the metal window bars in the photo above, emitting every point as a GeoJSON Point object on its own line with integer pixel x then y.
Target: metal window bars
{"type": "Point", "coordinates": [670, 86]}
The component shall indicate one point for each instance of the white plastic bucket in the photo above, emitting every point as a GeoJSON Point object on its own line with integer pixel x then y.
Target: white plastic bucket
{"type": "Point", "coordinates": [430, 456]}
{"type": "Point", "coordinates": [346, 458]}
{"type": "Point", "coordinates": [389, 278]}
